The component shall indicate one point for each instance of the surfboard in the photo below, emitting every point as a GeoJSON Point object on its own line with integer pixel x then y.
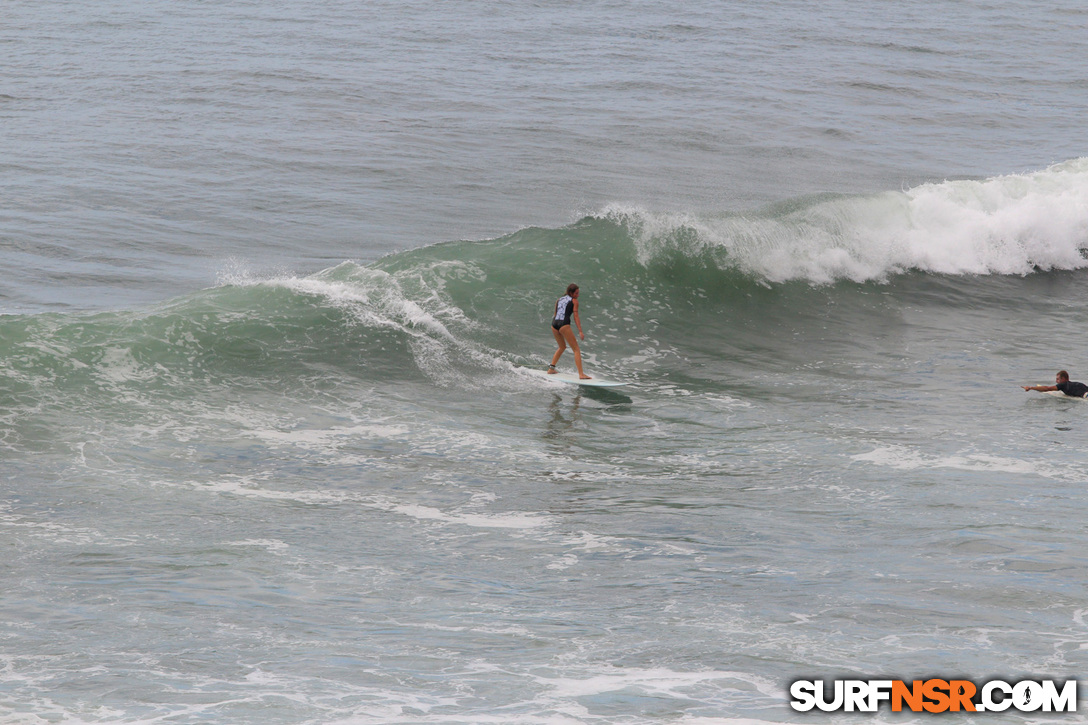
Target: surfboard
{"type": "Point", "coordinates": [1060, 394]}
{"type": "Point", "coordinates": [573, 379]}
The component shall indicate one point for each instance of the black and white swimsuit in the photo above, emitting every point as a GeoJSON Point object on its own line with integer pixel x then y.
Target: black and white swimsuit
{"type": "Point", "coordinates": [564, 308]}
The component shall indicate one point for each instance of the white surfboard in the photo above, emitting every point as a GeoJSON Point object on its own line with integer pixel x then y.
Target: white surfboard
{"type": "Point", "coordinates": [1060, 394]}
{"type": "Point", "coordinates": [573, 379]}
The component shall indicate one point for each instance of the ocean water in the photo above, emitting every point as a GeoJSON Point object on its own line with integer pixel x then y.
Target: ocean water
{"type": "Point", "coordinates": [275, 274]}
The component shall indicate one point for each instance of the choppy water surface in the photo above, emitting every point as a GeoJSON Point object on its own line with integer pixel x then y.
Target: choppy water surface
{"type": "Point", "coordinates": [269, 450]}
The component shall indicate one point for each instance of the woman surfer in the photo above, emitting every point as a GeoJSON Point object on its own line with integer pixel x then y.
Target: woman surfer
{"type": "Point", "coordinates": [566, 309]}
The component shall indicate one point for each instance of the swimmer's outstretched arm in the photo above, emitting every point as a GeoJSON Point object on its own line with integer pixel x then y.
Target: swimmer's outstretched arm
{"type": "Point", "coordinates": [1040, 388]}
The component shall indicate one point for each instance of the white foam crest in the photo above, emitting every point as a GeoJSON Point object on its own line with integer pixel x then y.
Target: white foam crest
{"type": "Point", "coordinates": [53, 532]}
{"type": "Point", "coordinates": [579, 716]}
{"type": "Point", "coordinates": [273, 546]}
{"type": "Point", "coordinates": [904, 458]}
{"type": "Point", "coordinates": [374, 297]}
{"type": "Point", "coordinates": [118, 365]}
{"type": "Point", "coordinates": [477, 519]}
{"type": "Point", "coordinates": [328, 440]}
{"type": "Point", "coordinates": [411, 301]}
{"type": "Point", "coordinates": [659, 682]}
{"type": "Point", "coordinates": [587, 542]}
{"type": "Point", "coordinates": [1004, 225]}
{"type": "Point", "coordinates": [254, 486]}
{"type": "Point", "coordinates": [561, 700]}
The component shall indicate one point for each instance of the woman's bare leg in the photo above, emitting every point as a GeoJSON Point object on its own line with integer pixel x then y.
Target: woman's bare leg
{"type": "Point", "coordinates": [562, 346]}
{"type": "Point", "coordinates": [568, 335]}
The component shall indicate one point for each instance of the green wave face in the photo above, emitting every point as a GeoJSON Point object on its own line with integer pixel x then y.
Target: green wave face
{"type": "Point", "coordinates": [705, 298]}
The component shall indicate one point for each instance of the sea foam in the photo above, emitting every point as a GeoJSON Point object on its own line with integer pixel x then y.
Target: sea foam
{"type": "Point", "coordinates": [1010, 225]}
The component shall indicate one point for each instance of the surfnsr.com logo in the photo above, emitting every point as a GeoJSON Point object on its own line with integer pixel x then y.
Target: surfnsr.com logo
{"type": "Point", "coordinates": [934, 695]}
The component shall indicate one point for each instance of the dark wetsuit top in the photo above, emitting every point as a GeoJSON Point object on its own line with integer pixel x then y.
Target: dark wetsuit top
{"type": "Point", "coordinates": [1077, 390]}
{"type": "Point", "coordinates": [564, 308]}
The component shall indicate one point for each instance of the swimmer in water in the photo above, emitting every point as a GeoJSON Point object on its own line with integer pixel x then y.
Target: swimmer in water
{"type": "Point", "coordinates": [1062, 383]}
